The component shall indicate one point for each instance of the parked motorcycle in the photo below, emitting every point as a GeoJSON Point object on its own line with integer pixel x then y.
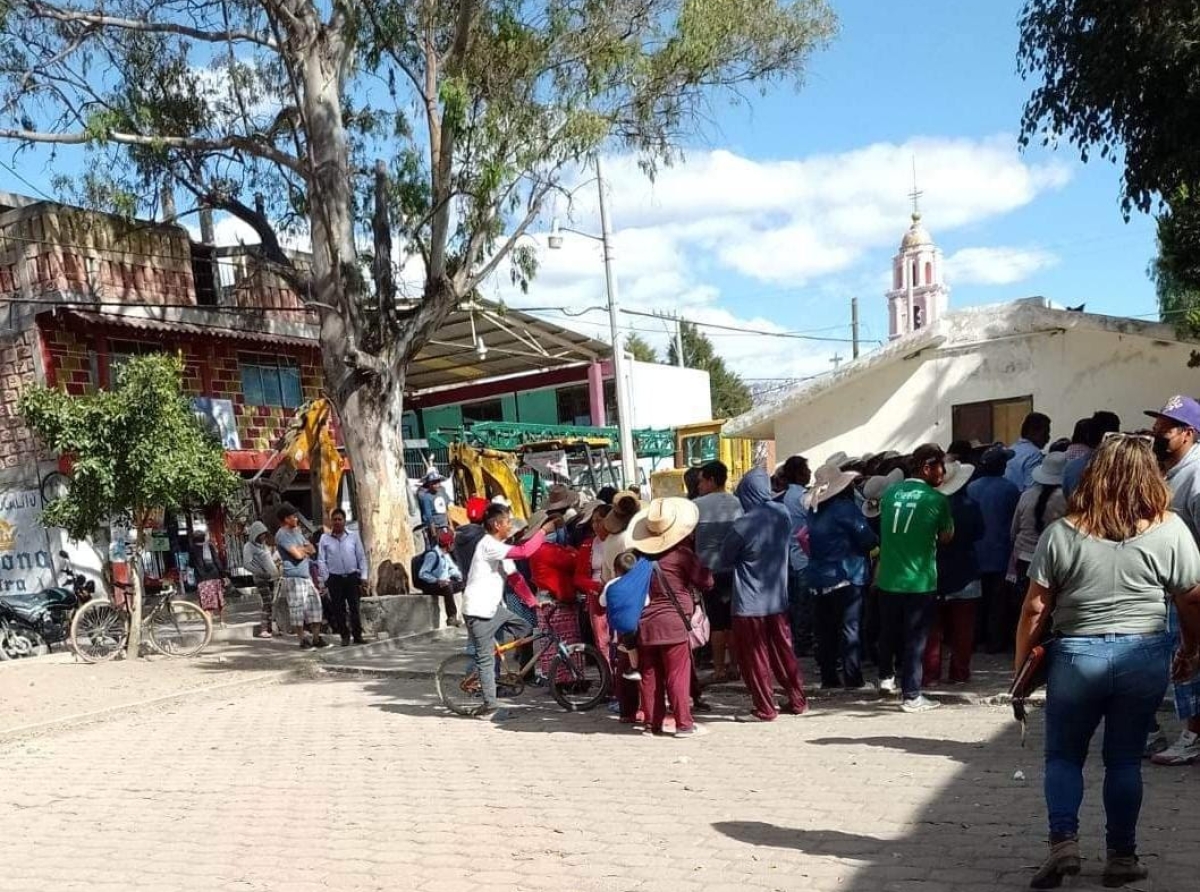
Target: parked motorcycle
{"type": "Point", "coordinates": [31, 624]}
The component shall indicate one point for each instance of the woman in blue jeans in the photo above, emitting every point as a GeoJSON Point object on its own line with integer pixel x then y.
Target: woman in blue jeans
{"type": "Point", "coordinates": [1103, 575]}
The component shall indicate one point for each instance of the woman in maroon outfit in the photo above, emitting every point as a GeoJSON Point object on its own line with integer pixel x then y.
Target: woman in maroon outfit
{"type": "Point", "coordinates": [663, 533]}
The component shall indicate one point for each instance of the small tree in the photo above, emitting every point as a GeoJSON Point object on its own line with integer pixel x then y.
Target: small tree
{"type": "Point", "coordinates": [640, 349]}
{"type": "Point", "coordinates": [134, 449]}
{"type": "Point", "coordinates": [730, 395]}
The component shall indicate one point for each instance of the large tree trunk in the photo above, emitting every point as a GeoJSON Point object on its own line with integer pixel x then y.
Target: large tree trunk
{"type": "Point", "coordinates": [368, 397]}
{"type": "Point", "coordinates": [371, 430]}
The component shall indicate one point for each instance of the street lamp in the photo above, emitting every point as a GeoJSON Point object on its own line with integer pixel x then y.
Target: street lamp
{"type": "Point", "coordinates": [555, 242]}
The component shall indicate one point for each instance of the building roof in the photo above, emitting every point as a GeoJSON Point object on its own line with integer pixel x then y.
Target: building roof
{"type": "Point", "coordinates": [515, 342]}
{"type": "Point", "coordinates": [961, 329]}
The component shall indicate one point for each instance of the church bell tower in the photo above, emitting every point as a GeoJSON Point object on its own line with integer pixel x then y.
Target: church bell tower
{"type": "Point", "coordinates": [918, 296]}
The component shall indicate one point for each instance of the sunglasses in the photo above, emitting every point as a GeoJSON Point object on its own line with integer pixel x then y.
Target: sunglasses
{"type": "Point", "coordinates": [1147, 439]}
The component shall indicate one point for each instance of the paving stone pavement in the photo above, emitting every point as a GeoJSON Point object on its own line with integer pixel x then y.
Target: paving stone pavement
{"type": "Point", "coordinates": [367, 784]}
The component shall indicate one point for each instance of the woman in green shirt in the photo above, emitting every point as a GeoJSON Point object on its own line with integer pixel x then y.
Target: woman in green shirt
{"type": "Point", "coordinates": [1102, 576]}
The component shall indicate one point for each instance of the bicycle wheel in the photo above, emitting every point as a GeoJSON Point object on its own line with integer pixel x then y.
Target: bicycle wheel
{"type": "Point", "coordinates": [179, 629]}
{"type": "Point", "coordinates": [458, 684]}
{"type": "Point", "coordinates": [581, 680]}
{"type": "Point", "coordinates": [99, 631]}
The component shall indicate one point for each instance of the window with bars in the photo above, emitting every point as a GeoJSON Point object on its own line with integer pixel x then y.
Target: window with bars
{"type": "Point", "coordinates": [270, 381]}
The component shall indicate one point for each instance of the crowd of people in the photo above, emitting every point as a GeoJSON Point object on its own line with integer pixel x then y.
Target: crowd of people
{"type": "Point", "coordinates": [912, 563]}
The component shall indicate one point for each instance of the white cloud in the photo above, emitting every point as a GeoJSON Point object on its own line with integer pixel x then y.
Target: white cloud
{"type": "Point", "coordinates": [720, 225]}
{"type": "Point", "coordinates": [996, 266]}
{"type": "Point", "coordinates": [788, 223]}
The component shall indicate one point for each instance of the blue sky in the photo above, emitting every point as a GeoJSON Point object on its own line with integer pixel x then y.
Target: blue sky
{"type": "Point", "coordinates": [936, 80]}
{"type": "Point", "coordinates": [793, 202]}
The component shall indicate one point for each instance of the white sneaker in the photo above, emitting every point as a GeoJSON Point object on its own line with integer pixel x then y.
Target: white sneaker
{"type": "Point", "coordinates": [1156, 742]}
{"type": "Point", "coordinates": [1183, 751]}
{"type": "Point", "coordinates": [919, 703]}
{"type": "Point", "coordinates": [887, 686]}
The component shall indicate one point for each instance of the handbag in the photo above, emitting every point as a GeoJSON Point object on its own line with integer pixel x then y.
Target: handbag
{"type": "Point", "coordinates": [1033, 672]}
{"type": "Point", "coordinates": [698, 627]}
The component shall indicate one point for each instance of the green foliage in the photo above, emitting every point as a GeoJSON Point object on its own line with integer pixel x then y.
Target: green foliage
{"type": "Point", "coordinates": [480, 108]}
{"type": "Point", "coordinates": [639, 348]}
{"type": "Point", "coordinates": [1118, 76]}
{"type": "Point", "coordinates": [730, 395]}
{"type": "Point", "coordinates": [1176, 270]}
{"type": "Point", "coordinates": [133, 449]}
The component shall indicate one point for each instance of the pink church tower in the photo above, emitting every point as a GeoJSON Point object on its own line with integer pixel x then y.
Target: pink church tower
{"type": "Point", "coordinates": [919, 296]}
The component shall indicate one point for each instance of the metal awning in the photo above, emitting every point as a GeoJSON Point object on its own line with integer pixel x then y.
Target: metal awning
{"type": "Point", "coordinates": [515, 343]}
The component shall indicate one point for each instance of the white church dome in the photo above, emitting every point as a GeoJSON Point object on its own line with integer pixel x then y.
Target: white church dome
{"type": "Point", "coordinates": [916, 236]}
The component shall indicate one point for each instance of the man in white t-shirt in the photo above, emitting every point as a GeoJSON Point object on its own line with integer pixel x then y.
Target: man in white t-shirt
{"type": "Point", "coordinates": [483, 598]}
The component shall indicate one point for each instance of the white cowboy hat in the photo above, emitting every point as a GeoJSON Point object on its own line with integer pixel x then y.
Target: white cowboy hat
{"type": "Point", "coordinates": [663, 525]}
{"type": "Point", "coordinates": [1050, 471]}
{"type": "Point", "coordinates": [958, 475]}
{"type": "Point", "coordinates": [837, 460]}
{"type": "Point", "coordinates": [560, 496]}
{"type": "Point", "coordinates": [874, 489]}
{"type": "Point", "coordinates": [827, 482]}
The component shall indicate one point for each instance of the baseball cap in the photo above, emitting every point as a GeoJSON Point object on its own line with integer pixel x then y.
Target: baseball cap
{"type": "Point", "coordinates": [1180, 409]}
{"type": "Point", "coordinates": [994, 456]}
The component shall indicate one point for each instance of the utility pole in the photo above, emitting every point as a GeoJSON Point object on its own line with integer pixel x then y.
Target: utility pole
{"type": "Point", "coordinates": [854, 324]}
{"type": "Point", "coordinates": [679, 341]}
{"type": "Point", "coordinates": [624, 418]}
{"type": "Point", "coordinates": [836, 360]}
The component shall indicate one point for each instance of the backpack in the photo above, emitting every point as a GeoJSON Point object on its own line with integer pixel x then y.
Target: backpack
{"type": "Point", "coordinates": [625, 597]}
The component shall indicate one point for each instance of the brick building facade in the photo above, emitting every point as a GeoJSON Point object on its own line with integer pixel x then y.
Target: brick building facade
{"type": "Point", "coordinates": [81, 291]}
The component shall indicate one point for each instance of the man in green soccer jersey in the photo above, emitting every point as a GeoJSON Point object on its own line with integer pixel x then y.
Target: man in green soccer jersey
{"type": "Point", "coordinates": [914, 518]}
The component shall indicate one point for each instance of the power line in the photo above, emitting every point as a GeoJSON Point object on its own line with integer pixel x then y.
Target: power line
{"type": "Point", "coordinates": [35, 188]}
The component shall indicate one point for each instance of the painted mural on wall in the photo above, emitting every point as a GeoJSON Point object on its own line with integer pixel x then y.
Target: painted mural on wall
{"type": "Point", "coordinates": [25, 561]}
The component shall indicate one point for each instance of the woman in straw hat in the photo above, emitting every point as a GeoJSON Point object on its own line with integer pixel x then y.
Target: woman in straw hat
{"type": "Point", "coordinates": [756, 549]}
{"type": "Point", "coordinates": [840, 542]}
{"type": "Point", "coordinates": [663, 532]}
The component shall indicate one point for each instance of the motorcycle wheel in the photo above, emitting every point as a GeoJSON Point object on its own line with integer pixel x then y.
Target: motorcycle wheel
{"type": "Point", "coordinates": [17, 644]}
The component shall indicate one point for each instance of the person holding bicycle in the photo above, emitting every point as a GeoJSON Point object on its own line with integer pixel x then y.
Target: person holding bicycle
{"type": "Point", "coordinates": [483, 597]}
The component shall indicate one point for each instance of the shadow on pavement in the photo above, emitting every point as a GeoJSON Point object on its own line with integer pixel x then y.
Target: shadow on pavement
{"type": "Point", "coordinates": [984, 829]}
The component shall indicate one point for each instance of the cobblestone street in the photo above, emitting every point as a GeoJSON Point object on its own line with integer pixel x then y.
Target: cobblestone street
{"type": "Point", "coordinates": [365, 784]}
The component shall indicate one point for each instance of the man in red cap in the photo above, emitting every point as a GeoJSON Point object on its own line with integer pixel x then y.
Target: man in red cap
{"type": "Point", "coordinates": [440, 575]}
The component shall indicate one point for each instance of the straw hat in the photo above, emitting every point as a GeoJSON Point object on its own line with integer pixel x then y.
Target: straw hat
{"type": "Point", "coordinates": [560, 496]}
{"type": "Point", "coordinates": [535, 523]}
{"type": "Point", "coordinates": [625, 507]}
{"type": "Point", "coordinates": [874, 489]}
{"type": "Point", "coordinates": [433, 475]}
{"type": "Point", "coordinates": [828, 481]}
{"type": "Point", "coordinates": [586, 510]}
{"type": "Point", "coordinates": [958, 475]}
{"type": "Point", "coordinates": [663, 525]}
{"type": "Point", "coordinates": [1050, 471]}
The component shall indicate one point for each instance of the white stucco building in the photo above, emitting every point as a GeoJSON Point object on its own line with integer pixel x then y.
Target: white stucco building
{"type": "Point", "coordinates": [973, 374]}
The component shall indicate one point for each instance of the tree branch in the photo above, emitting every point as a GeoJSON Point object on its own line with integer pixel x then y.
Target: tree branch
{"type": "Point", "coordinates": [60, 14]}
{"type": "Point", "coordinates": [185, 143]}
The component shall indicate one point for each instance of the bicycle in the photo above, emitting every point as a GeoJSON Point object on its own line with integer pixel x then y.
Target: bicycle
{"type": "Point", "coordinates": [173, 628]}
{"type": "Point", "coordinates": [579, 678]}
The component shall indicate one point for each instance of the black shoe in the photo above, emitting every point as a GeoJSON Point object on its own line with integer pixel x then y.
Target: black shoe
{"type": "Point", "coordinates": [305, 644]}
{"type": "Point", "coordinates": [359, 641]}
{"type": "Point", "coordinates": [345, 641]}
{"type": "Point", "coordinates": [320, 642]}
